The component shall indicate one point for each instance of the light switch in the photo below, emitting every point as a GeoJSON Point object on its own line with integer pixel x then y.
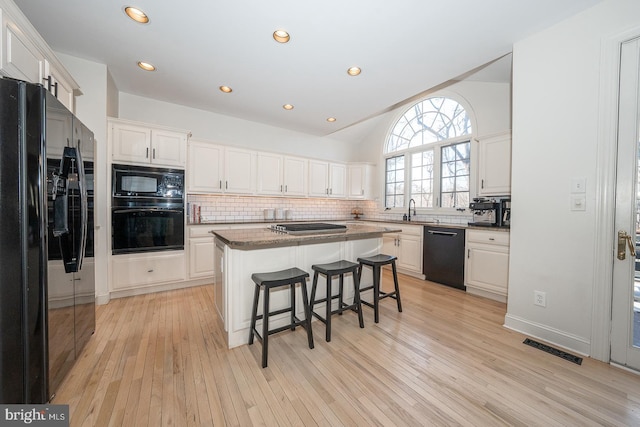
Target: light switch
{"type": "Point", "coordinates": [578, 203]}
{"type": "Point", "coordinates": [578, 185]}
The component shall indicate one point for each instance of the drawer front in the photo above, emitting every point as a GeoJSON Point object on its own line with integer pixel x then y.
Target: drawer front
{"type": "Point", "coordinates": [200, 231]}
{"type": "Point", "coordinates": [488, 237]}
{"type": "Point", "coordinates": [129, 271]}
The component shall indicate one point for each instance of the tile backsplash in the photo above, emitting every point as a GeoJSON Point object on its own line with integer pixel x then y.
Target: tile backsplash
{"type": "Point", "coordinates": [234, 208]}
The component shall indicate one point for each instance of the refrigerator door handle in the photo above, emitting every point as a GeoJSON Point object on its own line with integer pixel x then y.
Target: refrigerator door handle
{"type": "Point", "coordinates": [82, 239]}
{"type": "Point", "coordinates": [59, 194]}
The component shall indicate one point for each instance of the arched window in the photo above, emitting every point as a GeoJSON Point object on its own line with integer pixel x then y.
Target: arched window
{"type": "Point", "coordinates": [428, 151]}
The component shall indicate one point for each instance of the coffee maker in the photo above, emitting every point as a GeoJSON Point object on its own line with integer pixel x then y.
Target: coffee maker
{"type": "Point", "coordinates": [506, 212]}
{"type": "Point", "coordinates": [491, 212]}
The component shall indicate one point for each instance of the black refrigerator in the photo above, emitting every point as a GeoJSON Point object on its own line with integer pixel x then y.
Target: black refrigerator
{"type": "Point", "coordinates": [47, 281]}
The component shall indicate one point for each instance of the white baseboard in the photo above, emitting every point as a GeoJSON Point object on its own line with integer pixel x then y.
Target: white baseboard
{"type": "Point", "coordinates": [552, 336]}
{"type": "Point", "coordinates": [160, 288]}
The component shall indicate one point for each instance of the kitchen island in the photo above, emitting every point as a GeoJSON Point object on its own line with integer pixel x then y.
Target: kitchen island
{"type": "Point", "coordinates": [241, 252]}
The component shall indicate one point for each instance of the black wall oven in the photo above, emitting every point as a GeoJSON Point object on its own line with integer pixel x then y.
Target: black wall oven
{"type": "Point", "coordinates": [147, 210]}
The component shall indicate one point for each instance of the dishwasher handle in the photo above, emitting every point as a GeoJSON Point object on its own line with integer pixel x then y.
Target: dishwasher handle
{"type": "Point", "coordinates": [442, 233]}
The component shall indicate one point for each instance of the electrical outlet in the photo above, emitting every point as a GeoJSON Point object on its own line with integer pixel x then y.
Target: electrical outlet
{"type": "Point", "coordinates": [540, 298]}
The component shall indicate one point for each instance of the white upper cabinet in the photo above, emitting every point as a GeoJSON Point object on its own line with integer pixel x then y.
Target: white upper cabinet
{"type": "Point", "coordinates": [219, 169]}
{"type": "Point", "coordinates": [318, 178]}
{"type": "Point", "coordinates": [205, 167]}
{"type": "Point", "coordinates": [141, 144]}
{"type": "Point", "coordinates": [26, 56]}
{"type": "Point", "coordinates": [53, 79]}
{"type": "Point", "coordinates": [494, 165]}
{"type": "Point", "coordinates": [239, 171]}
{"type": "Point", "coordinates": [337, 180]}
{"type": "Point", "coordinates": [280, 175]}
{"type": "Point", "coordinates": [270, 173]}
{"type": "Point", "coordinates": [295, 176]}
{"type": "Point", "coordinates": [21, 59]}
{"type": "Point", "coordinates": [327, 179]}
{"type": "Point", "coordinates": [360, 181]}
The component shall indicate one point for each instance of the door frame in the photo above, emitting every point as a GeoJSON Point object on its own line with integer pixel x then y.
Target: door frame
{"type": "Point", "coordinates": [606, 193]}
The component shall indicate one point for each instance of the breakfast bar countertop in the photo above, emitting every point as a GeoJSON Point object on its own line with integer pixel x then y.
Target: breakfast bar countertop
{"type": "Point", "coordinates": [255, 238]}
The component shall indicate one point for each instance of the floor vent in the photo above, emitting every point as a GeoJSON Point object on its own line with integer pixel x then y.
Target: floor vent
{"type": "Point", "coordinates": [551, 350]}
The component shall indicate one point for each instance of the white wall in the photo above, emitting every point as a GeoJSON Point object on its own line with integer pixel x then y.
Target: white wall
{"type": "Point", "coordinates": [556, 101]}
{"type": "Point", "coordinates": [232, 131]}
{"type": "Point", "coordinates": [113, 96]}
{"type": "Point", "coordinates": [91, 109]}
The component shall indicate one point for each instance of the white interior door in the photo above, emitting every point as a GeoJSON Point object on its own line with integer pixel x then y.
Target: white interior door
{"type": "Point", "coordinates": [625, 333]}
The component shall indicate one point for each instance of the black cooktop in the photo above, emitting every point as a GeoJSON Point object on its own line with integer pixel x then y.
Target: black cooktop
{"type": "Point", "coordinates": [309, 228]}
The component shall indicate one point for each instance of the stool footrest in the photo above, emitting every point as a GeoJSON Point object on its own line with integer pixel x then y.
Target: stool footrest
{"type": "Point", "coordinates": [274, 313]}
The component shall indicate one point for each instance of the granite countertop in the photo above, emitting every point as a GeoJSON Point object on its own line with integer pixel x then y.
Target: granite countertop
{"type": "Point", "coordinates": [260, 238]}
{"type": "Point", "coordinates": [351, 220]}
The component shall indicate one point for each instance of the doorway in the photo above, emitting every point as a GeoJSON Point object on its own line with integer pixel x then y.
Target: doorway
{"type": "Point", "coordinates": [625, 317]}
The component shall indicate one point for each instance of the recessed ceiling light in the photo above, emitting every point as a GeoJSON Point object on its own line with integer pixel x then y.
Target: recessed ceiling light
{"type": "Point", "coordinates": [226, 89]}
{"type": "Point", "coordinates": [354, 71]}
{"type": "Point", "coordinates": [281, 36]}
{"type": "Point", "coordinates": [146, 66]}
{"type": "Point", "coordinates": [136, 14]}
{"type": "Point", "coordinates": [331, 119]}
{"type": "Point", "coordinates": [287, 107]}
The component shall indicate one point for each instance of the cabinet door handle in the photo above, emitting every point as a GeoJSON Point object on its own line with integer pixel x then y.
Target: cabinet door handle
{"type": "Point", "coordinates": [146, 156]}
{"type": "Point", "coordinates": [226, 185]}
{"type": "Point", "coordinates": [220, 184]}
{"type": "Point", "coordinates": [492, 239]}
{"type": "Point", "coordinates": [55, 90]}
{"type": "Point", "coordinates": [468, 253]}
{"type": "Point", "coordinates": [482, 183]}
{"type": "Point", "coordinates": [281, 188]}
{"type": "Point", "coordinates": [150, 271]}
{"type": "Point", "coordinates": [154, 153]}
{"type": "Point", "coordinates": [286, 188]}
{"type": "Point", "coordinates": [48, 80]}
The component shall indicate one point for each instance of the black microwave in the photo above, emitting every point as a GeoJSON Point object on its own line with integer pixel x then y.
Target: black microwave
{"type": "Point", "coordinates": [131, 181]}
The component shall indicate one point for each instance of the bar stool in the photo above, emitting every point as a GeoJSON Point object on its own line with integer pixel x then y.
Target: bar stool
{"type": "Point", "coordinates": [338, 268]}
{"type": "Point", "coordinates": [376, 262]}
{"type": "Point", "coordinates": [267, 281]}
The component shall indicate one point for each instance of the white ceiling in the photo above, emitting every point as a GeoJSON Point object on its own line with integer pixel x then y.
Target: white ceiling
{"type": "Point", "coordinates": [404, 47]}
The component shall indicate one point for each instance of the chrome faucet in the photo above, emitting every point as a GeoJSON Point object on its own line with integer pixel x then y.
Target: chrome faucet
{"type": "Point", "coordinates": [414, 209]}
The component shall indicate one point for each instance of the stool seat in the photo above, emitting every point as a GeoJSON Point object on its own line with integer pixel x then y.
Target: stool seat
{"type": "Point", "coordinates": [271, 280]}
{"type": "Point", "coordinates": [376, 262]}
{"type": "Point", "coordinates": [337, 268]}
{"type": "Point", "coordinates": [279, 278]}
{"type": "Point", "coordinates": [381, 259]}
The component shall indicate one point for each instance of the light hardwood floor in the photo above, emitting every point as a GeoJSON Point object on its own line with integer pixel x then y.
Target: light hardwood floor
{"type": "Point", "coordinates": [161, 360]}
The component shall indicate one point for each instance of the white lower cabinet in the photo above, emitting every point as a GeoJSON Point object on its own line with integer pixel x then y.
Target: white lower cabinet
{"type": "Point", "coordinates": [219, 287]}
{"type": "Point", "coordinates": [406, 246]}
{"type": "Point", "coordinates": [487, 263]}
{"type": "Point", "coordinates": [139, 270]}
{"type": "Point", "coordinates": [201, 263]}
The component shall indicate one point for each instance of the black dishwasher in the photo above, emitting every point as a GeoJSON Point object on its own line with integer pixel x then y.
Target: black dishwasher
{"type": "Point", "coordinates": [443, 256]}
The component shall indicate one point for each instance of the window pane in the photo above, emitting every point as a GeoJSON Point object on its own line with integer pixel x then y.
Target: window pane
{"type": "Point", "coordinates": [422, 178]}
{"type": "Point", "coordinates": [394, 184]}
{"type": "Point", "coordinates": [448, 154]}
{"type": "Point", "coordinates": [448, 200]}
{"type": "Point", "coordinates": [462, 167]}
{"type": "Point", "coordinates": [448, 184]}
{"type": "Point", "coordinates": [431, 120]}
{"type": "Point", "coordinates": [462, 184]}
{"type": "Point", "coordinates": [455, 173]}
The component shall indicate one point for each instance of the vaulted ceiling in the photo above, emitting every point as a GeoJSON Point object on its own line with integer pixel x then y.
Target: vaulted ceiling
{"type": "Point", "coordinates": [404, 48]}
